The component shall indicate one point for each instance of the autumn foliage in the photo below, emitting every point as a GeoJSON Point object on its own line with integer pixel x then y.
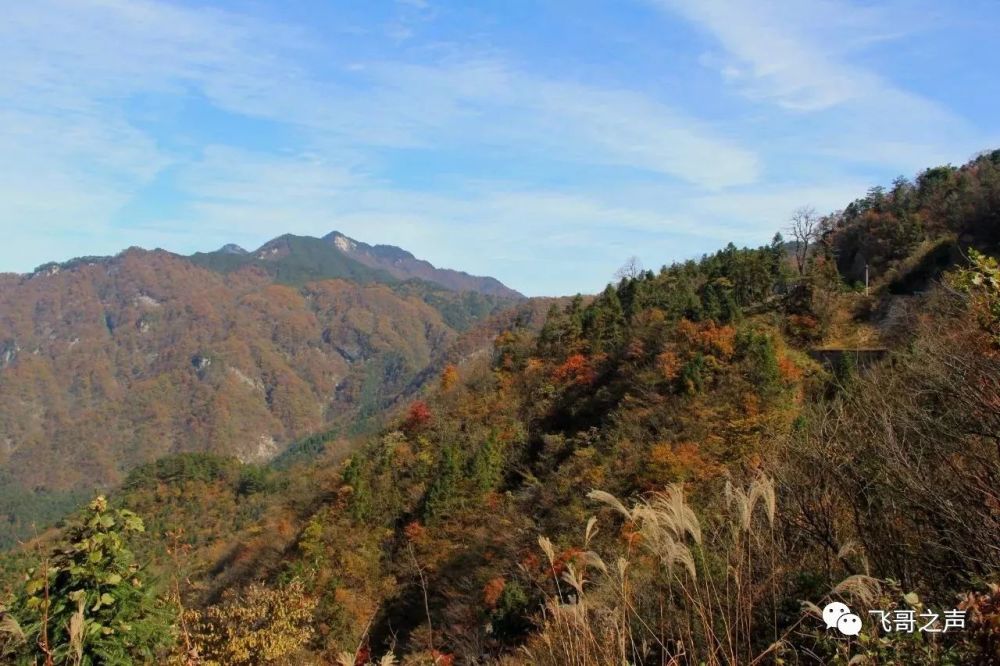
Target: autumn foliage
{"type": "Point", "coordinates": [667, 472]}
{"type": "Point", "coordinates": [418, 415]}
{"type": "Point", "coordinates": [449, 377]}
{"type": "Point", "coordinates": [575, 370]}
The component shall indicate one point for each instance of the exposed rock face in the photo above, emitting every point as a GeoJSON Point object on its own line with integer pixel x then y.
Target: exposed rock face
{"type": "Point", "coordinates": [265, 450]}
{"type": "Point", "coordinates": [8, 352]}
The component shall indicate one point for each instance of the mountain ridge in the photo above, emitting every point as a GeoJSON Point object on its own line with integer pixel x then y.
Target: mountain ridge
{"type": "Point", "coordinates": [294, 258]}
{"type": "Point", "coordinates": [110, 362]}
{"type": "Point", "coordinates": [403, 264]}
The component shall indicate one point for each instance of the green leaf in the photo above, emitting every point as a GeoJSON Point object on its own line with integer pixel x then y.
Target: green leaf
{"type": "Point", "coordinates": [133, 522]}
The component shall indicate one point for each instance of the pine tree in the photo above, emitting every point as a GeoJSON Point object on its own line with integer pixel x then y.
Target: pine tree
{"type": "Point", "coordinates": [604, 323]}
{"type": "Point", "coordinates": [711, 303]}
{"type": "Point", "coordinates": [487, 465]}
{"type": "Point", "coordinates": [444, 489]}
{"type": "Point", "coordinates": [361, 497]}
{"type": "Point", "coordinates": [691, 378]}
{"type": "Point", "coordinates": [729, 310]}
{"type": "Point", "coordinates": [561, 332]}
{"type": "Point", "coordinates": [762, 360]}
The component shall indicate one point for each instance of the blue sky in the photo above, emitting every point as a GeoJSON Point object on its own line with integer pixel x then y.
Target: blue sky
{"type": "Point", "coordinates": [540, 142]}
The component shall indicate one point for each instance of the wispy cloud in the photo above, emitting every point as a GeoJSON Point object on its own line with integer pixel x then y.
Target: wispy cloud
{"type": "Point", "coordinates": [119, 126]}
{"type": "Point", "coordinates": [95, 56]}
{"type": "Point", "coordinates": [74, 156]}
{"type": "Point", "coordinates": [498, 107]}
{"type": "Point", "coordinates": [787, 52]}
{"type": "Point", "coordinates": [799, 55]}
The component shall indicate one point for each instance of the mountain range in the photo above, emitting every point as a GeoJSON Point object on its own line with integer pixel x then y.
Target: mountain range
{"type": "Point", "coordinates": [293, 258]}
{"type": "Point", "coordinates": [110, 362]}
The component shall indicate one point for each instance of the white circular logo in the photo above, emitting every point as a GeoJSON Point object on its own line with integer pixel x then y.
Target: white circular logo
{"type": "Point", "coordinates": [832, 613]}
{"type": "Point", "coordinates": [849, 624]}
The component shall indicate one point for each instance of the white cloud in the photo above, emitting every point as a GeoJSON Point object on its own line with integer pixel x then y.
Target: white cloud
{"type": "Point", "coordinates": [585, 124]}
{"type": "Point", "coordinates": [98, 55]}
{"type": "Point", "coordinates": [74, 157]}
{"type": "Point", "coordinates": [786, 51]}
{"type": "Point", "coordinates": [802, 55]}
{"type": "Point", "coordinates": [677, 185]}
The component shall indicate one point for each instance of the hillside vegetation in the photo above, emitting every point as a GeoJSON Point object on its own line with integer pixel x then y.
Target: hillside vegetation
{"type": "Point", "coordinates": [665, 473]}
{"type": "Point", "coordinates": [108, 363]}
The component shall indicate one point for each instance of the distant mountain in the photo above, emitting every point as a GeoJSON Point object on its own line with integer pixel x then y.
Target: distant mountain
{"type": "Point", "coordinates": [111, 362]}
{"type": "Point", "coordinates": [296, 259]}
{"type": "Point", "coordinates": [403, 265]}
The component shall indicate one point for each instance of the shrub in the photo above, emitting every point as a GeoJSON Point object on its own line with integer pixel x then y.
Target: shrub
{"type": "Point", "coordinates": [87, 603]}
{"type": "Point", "coordinates": [260, 625]}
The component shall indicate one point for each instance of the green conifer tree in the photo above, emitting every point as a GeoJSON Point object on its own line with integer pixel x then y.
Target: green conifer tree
{"type": "Point", "coordinates": [487, 465]}
{"type": "Point", "coordinates": [444, 490]}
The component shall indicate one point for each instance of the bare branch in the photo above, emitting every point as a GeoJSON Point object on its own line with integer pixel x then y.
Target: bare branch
{"type": "Point", "coordinates": [804, 229]}
{"type": "Point", "coordinates": [631, 269]}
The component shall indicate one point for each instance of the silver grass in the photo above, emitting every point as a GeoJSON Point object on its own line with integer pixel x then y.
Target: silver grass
{"type": "Point", "coordinates": [592, 559]}
{"type": "Point", "coordinates": [859, 587]}
{"type": "Point", "coordinates": [812, 609]}
{"type": "Point", "coordinates": [574, 578]}
{"type": "Point", "coordinates": [674, 512]}
{"type": "Point", "coordinates": [611, 501]}
{"type": "Point", "coordinates": [546, 546]}
{"type": "Point", "coordinates": [590, 531]}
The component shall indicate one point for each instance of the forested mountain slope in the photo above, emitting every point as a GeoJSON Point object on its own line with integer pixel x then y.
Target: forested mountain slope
{"type": "Point", "coordinates": [658, 474]}
{"type": "Point", "coordinates": [107, 363]}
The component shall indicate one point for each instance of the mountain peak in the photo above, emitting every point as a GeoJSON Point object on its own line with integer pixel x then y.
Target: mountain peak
{"type": "Point", "coordinates": [295, 258]}
{"type": "Point", "coordinates": [341, 242]}
{"type": "Point", "coordinates": [405, 266]}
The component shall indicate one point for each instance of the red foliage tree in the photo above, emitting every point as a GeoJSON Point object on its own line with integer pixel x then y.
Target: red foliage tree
{"type": "Point", "coordinates": [417, 416]}
{"type": "Point", "coordinates": [491, 593]}
{"type": "Point", "coordinates": [575, 370]}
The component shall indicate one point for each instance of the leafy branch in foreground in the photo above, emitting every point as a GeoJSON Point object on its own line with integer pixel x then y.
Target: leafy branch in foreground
{"type": "Point", "coordinates": [87, 603]}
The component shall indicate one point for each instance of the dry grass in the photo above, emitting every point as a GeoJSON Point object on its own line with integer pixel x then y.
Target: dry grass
{"type": "Point", "coordinates": [675, 593]}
